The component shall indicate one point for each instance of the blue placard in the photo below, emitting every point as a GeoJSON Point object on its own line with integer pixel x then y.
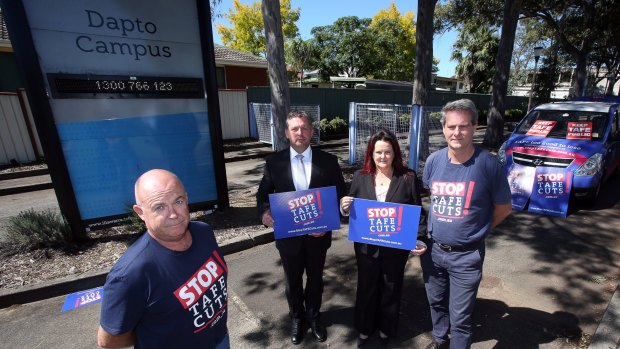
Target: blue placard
{"type": "Point", "coordinates": [521, 180]}
{"type": "Point", "coordinates": [551, 191]}
{"type": "Point", "coordinates": [305, 211]}
{"type": "Point", "coordinates": [82, 298]}
{"type": "Point", "coordinates": [384, 223]}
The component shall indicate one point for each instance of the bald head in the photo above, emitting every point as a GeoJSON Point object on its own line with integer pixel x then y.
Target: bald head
{"type": "Point", "coordinates": [161, 202]}
{"type": "Point", "coordinates": [154, 180]}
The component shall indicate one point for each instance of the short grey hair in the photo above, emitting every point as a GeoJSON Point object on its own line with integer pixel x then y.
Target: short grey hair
{"type": "Point", "coordinates": [299, 114]}
{"type": "Point", "coordinates": [466, 105]}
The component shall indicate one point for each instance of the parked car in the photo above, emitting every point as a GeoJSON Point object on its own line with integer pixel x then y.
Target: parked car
{"type": "Point", "coordinates": [582, 137]}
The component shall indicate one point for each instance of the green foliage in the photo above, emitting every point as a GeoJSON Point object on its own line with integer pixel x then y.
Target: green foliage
{"type": "Point", "coordinates": [31, 230]}
{"type": "Point", "coordinates": [435, 116]}
{"type": "Point", "coordinates": [334, 126]}
{"type": "Point", "coordinates": [345, 47]}
{"type": "Point", "coordinates": [404, 119]}
{"type": "Point", "coordinates": [475, 50]}
{"type": "Point", "coordinates": [247, 33]}
{"type": "Point", "coordinates": [513, 115]}
{"type": "Point", "coordinates": [395, 40]}
{"type": "Point", "coordinates": [134, 222]}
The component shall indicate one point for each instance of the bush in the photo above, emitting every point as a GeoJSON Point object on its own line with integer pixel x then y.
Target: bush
{"type": "Point", "coordinates": [435, 115]}
{"type": "Point", "coordinates": [334, 126]}
{"type": "Point", "coordinates": [338, 125]}
{"type": "Point", "coordinates": [513, 115]}
{"type": "Point", "coordinates": [31, 230]}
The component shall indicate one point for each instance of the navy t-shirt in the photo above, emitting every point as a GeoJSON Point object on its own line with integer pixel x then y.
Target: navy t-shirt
{"type": "Point", "coordinates": [463, 196]}
{"type": "Point", "coordinates": [169, 299]}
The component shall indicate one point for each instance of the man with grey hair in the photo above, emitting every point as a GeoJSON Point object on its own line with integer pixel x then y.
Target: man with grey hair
{"type": "Point", "coordinates": [169, 289]}
{"type": "Point", "coordinates": [469, 195]}
{"type": "Point", "coordinates": [301, 167]}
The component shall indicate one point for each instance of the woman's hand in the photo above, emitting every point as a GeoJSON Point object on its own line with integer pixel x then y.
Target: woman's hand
{"type": "Point", "coordinates": [420, 248]}
{"type": "Point", "coordinates": [345, 203]}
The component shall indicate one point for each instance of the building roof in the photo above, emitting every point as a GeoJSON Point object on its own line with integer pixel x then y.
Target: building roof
{"type": "Point", "coordinates": [228, 56]}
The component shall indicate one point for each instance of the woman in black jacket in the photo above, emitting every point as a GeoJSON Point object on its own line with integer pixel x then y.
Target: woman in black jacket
{"type": "Point", "coordinates": [380, 270]}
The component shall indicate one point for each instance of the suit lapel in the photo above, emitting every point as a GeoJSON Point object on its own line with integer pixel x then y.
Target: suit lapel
{"type": "Point", "coordinates": [287, 171]}
{"type": "Point", "coordinates": [395, 183]}
{"type": "Point", "coordinates": [370, 183]}
{"type": "Point", "coordinates": [315, 169]}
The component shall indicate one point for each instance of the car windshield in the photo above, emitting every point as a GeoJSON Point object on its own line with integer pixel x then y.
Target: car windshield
{"type": "Point", "coordinates": [565, 124]}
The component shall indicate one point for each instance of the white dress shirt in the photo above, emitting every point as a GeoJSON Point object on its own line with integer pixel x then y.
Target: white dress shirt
{"type": "Point", "coordinates": [307, 161]}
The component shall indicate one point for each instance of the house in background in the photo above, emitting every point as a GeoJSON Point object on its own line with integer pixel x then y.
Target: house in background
{"type": "Point", "coordinates": [237, 70]}
{"type": "Point", "coordinates": [10, 79]}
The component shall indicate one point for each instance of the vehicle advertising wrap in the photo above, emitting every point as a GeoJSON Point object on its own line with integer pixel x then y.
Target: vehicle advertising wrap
{"type": "Point", "coordinates": [303, 212]}
{"type": "Point", "coordinates": [540, 170]}
{"type": "Point", "coordinates": [521, 181]}
{"type": "Point", "coordinates": [384, 223]}
{"type": "Point", "coordinates": [551, 191]}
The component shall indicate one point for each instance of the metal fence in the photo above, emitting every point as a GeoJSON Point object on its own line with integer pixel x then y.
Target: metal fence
{"type": "Point", "coordinates": [263, 128]}
{"type": "Point", "coordinates": [417, 129]}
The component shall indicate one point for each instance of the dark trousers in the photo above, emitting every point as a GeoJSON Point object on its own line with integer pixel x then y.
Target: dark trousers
{"type": "Point", "coordinates": [379, 289]}
{"type": "Point", "coordinates": [304, 302]}
{"type": "Point", "coordinates": [451, 280]}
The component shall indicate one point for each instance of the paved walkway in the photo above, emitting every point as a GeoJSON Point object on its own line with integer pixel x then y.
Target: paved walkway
{"type": "Point", "coordinates": [257, 306]}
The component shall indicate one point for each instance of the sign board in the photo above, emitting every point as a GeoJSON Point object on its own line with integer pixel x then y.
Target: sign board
{"type": "Point", "coordinates": [384, 223]}
{"type": "Point", "coordinates": [127, 90]}
{"type": "Point", "coordinates": [303, 212]}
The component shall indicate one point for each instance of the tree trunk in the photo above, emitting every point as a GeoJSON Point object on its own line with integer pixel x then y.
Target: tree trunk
{"type": "Point", "coordinates": [280, 94]}
{"type": "Point", "coordinates": [424, 52]}
{"type": "Point", "coordinates": [494, 135]}
{"type": "Point", "coordinates": [581, 71]}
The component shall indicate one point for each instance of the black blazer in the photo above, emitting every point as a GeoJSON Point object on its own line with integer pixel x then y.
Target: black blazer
{"type": "Point", "coordinates": [403, 189]}
{"type": "Point", "coordinates": [278, 178]}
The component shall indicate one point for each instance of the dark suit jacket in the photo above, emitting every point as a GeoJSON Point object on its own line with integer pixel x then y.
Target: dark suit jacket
{"type": "Point", "coordinates": [278, 178]}
{"type": "Point", "coordinates": [403, 189]}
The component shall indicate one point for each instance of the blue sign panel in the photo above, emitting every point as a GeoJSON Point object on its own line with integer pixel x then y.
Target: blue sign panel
{"type": "Point", "coordinates": [551, 191]}
{"type": "Point", "coordinates": [82, 298]}
{"type": "Point", "coordinates": [384, 223]}
{"type": "Point", "coordinates": [303, 212]}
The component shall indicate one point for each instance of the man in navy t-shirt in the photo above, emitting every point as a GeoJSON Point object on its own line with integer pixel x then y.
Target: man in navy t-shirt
{"type": "Point", "coordinates": [169, 289]}
{"type": "Point", "coordinates": [469, 195]}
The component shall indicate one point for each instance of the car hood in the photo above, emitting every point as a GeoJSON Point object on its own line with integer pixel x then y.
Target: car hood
{"type": "Point", "coordinates": [580, 150]}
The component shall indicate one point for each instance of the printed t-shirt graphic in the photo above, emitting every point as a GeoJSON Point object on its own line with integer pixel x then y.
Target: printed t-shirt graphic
{"type": "Point", "coordinates": [451, 199]}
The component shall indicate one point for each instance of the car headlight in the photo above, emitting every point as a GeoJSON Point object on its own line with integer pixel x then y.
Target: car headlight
{"type": "Point", "coordinates": [501, 154]}
{"type": "Point", "coordinates": [591, 167]}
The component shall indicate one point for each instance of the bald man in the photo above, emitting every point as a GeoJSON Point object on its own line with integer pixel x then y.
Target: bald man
{"type": "Point", "coordinates": [169, 289]}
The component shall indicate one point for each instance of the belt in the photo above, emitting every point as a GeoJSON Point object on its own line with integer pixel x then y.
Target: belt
{"type": "Point", "coordinates": [467, 247]}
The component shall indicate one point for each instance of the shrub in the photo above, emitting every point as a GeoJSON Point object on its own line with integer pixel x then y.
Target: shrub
{"type": "Point", "coordinates": [435, 115]}
{"type": "Point", "coordinates": [325, 127]}
{"type": "Point", "coordinates": [513, 115]}
{"type": "Point", "coordinates": [404, 119]}
{"type": "Point", "coordinates": [31, 230]}
{"type": "Point", "coordinates": [334, 126]}
{"type": "Point", "coordinates": [338, 125]}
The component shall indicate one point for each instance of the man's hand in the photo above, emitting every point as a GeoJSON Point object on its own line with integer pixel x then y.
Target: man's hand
{"type": "Point", "coordinates": [317, 235]}
{"type": "Point", "coordinates": [267, 219]}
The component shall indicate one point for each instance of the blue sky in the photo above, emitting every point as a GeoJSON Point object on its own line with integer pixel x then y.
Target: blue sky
{"type": "Point", "coordinates": [324, 12]}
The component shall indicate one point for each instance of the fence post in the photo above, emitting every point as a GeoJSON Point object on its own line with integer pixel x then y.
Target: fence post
{"type": "Point", "coordinates": [252, 121]}
{"type": "Point", "coordinates": [414, 137]}
{"type": "Point", "coordinates": [352, 128]}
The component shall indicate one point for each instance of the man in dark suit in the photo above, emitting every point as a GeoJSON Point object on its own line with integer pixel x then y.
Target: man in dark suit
{"type": "Point", "coordinates": [301, 167]}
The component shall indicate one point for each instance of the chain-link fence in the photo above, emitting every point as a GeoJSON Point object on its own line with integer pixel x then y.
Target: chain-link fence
{"type": "Point", "coordinates": [263, 128]}
{"type": "Point", "coordinates": [417, 129]}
